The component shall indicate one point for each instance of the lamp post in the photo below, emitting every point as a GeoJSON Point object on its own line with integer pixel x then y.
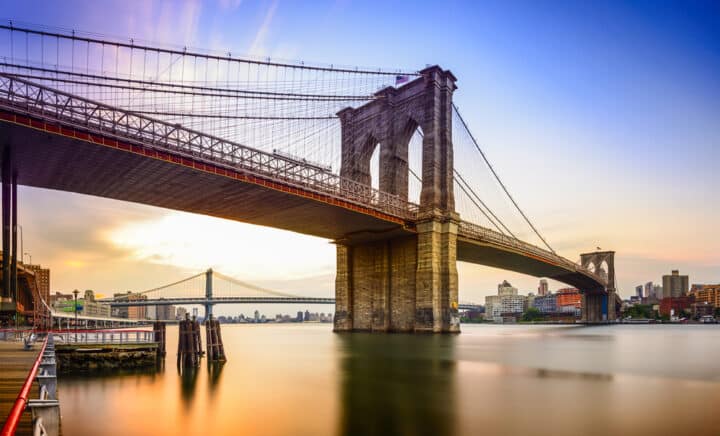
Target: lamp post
{"type": "Point", "coordinates": [76, 292]}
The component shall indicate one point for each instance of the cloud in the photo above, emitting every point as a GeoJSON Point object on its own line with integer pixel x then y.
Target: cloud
{"type": "Point", "coordinates": [257, 47]}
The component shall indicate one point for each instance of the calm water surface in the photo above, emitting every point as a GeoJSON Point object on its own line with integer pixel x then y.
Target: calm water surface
{"type": "Point", "coordinates": [491, 380]}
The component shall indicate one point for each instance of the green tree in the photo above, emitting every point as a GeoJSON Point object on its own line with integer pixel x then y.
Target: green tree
{"type": "Point", "coordinates": [532, 314]}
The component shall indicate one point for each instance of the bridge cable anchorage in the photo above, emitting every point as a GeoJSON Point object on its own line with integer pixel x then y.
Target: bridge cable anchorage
{"type": "Point", "coordinates": [497, 177]}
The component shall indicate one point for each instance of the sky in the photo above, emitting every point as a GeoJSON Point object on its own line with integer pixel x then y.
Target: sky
{"type": "Point", "coordinates": [603, 118]}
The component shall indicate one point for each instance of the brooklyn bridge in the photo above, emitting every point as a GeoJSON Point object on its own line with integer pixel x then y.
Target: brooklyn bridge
{"type": "Point", "coordinates": [381, 162]}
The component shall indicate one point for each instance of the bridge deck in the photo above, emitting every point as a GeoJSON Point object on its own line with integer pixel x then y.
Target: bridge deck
{"type": "Point", "coordinates": [15, 364]}
{"type": "Point", "coordinates": [61, 162]}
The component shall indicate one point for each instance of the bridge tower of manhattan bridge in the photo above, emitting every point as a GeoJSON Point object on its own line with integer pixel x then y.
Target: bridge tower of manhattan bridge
{"type": "Point", "coordinates": [400, 281]}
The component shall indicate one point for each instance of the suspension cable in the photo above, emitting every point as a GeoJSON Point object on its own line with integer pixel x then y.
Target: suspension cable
{"type": "Point", "coordinates": [253, 287]}
{"type": "Point", "coordinates": [160, 288]}
{"type": "Point", "coordinates": [131, 45]}
{"type": "Point", "coordinates": [467, 129]}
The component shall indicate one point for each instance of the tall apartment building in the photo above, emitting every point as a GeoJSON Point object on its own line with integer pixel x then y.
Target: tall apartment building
{"type": "Point", "coordinates": [675, 285]}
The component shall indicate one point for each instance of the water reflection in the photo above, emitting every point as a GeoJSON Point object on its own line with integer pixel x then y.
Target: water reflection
{"type": "Point", "coordinates": [188, 381]}
{"type": "Point", "coordinates": [397, 384]}
{"type": "Point", "coordinates": [214, 373]}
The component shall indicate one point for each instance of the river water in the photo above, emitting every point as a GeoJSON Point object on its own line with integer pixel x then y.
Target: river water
{"type": "Point", "coordinates": [301, 379]}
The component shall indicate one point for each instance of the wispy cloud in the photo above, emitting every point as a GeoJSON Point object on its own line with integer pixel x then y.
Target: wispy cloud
{"type": "Point", "coordinates": [258, 45]}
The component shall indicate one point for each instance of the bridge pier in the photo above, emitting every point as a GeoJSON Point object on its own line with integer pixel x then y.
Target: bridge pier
{"type": "Point", "coordinates": [404, 284]}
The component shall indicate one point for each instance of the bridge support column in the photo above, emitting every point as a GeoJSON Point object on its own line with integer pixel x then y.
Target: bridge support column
{"type": "Point", "coordinates": [436, 307]}
{"type": "Point", "coordinates": [404, 284]}
{"type": "Point", "coordinates": [208, 293]}
{"type": "Point", "coordinates": [592, 308]}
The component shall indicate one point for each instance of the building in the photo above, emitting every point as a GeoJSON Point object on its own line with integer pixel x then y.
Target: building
{"type": "Point", "coordinates": [165, 312]}
{"type": "Point", "coordinates": [506, 289]}
{"type": "Point", "coordinates": [94, 308]}
{"type": "Point", "coordinates": [709, 294]}
{"type": "Point", "coordinates": [639, 291]}
{"type": "Point", "coordinates": [546, 303]}
{"type": "Point", "coordinates": [657, 292]}
{"type": "Point", "coordinates": [677, 306]}
{"type": "Point", "coordinates": [569, 300]}
{"type": "Point", "coordinates": [513, 304]}
{"type": "Point", "coordinates": [650, 291]}
{"type": "Point", "coordinates": [543, 288]}
{"type": "Point", "coordinates": [492, 306]}
{"type": "Point", "coordinates": [42, 276]}
{"type": "Point", "coordinates": [507, 302]}
{"type": "Point", "coordinates": [569, 297]}
{"type": "Point", "coordinates": [675, 285]}
{"type": "Point", "coordinates": [131, 312]}
{"type": "Point", "coordinates": [702, 309]}
{"type": "Point", "coordinates": [86, 306]}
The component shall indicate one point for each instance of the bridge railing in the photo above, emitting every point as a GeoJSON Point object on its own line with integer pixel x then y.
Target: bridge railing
{"type": "Point", "coordinates": [55, 106]}
{"type": "Point", "coordinates": [104, 336]}
{"type": "Point", "coordinates": [484, 234]}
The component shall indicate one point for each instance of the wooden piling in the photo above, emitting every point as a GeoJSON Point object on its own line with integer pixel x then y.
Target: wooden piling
{"type": "Point", "coordinates": [215, 349]}
{"type": "Point", "coordinates": [189, 347]}
{"type": "Point", "coordinates": [159, 330]}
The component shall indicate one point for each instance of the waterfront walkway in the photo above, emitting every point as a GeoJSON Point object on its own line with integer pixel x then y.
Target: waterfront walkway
{"type": "Point", "coordinates": [15, 364]}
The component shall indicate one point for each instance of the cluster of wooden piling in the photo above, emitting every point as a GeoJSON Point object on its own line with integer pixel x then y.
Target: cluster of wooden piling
{"type": "Point", "coordinates": [215, 349]}
{"type": "Point", "coordinates": [189, 345]}
{"type": "Point", "coordinates": [159, 330]}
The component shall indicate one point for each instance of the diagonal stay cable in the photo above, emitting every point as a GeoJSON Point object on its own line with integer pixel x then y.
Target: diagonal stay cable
{"type": "Point", "coordinates": [470, 196]}
{"type": "Point", "coordinates": [474, 194]}
{"type": "Point", "coordinates": [467, 129]}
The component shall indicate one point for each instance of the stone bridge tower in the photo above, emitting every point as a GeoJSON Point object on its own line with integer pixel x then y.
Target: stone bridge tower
{"type": "Point", "coordinates": [397, 282]}
{"type": "Point", "coordinates": [603, 264]}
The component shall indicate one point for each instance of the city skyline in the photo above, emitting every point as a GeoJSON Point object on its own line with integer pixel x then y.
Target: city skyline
{"type": "Point", "coordinates": [580, 198]}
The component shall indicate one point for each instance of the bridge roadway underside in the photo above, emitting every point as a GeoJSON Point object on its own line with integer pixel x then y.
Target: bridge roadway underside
{"type": "Point", "coordinates": [471, 251]}
{"type": "Point", "coordinates": [53, 161]}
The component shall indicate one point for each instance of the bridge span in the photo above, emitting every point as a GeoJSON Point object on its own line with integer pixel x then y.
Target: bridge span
{"type": "Point", "coordinates": [396, 268]}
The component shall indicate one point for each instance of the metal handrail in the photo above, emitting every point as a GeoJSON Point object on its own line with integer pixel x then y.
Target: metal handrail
{"type": "Point", "coordinates": [57, 106]}
{"type": "Point", "coordinates": [22, 399]}
{"type": "Point", "coordinates": [105, 336]}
